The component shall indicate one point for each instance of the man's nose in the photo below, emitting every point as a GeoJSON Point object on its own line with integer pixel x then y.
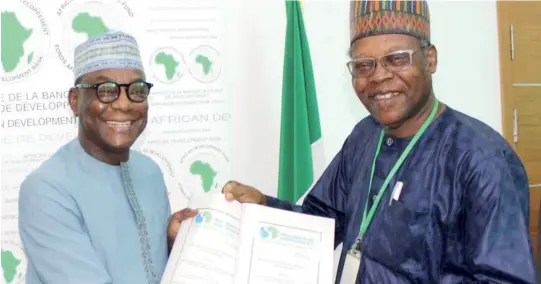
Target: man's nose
{"type": "Point", "coordinates": [380, 74]}
{"type": "Point", "coordinates": [123, 102]}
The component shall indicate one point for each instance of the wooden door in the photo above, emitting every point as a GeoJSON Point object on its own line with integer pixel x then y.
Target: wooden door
{"type": "Point", "coordinates": [519, 24]}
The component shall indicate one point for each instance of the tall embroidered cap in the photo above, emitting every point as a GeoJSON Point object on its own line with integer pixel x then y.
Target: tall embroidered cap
{"type": "Point", "coordinates": [375, 17]}
{"type": "Point", "coordinates": [114, 49]}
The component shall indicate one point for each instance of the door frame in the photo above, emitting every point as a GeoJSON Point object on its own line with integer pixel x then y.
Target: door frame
{"type": "Point", "coordinates": [504, 48]}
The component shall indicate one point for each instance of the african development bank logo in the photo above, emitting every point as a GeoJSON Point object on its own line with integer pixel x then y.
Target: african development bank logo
{"type": "Point", "coordinates": [204, 168]}
{"type": "Point", "coordinates": [24, 40]}
{"type": "Point", "coordinates": [205, 64]}
{"type": "Point", "coordinates": [167, 65]}
{"type": "Point", "coordinates": [268, 232]}
{"type": "Point", "coordinates": [203, 217]}
{"type": "Point", "coordinates": [13, 264]}
{"type": "Point", "coordinates": [85, 19]}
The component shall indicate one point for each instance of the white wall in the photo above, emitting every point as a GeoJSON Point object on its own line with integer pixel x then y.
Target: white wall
{"type": "Point", "coordinates": [467, 78]}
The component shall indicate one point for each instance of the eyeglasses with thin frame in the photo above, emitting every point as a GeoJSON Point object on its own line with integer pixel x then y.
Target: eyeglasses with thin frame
{"type": "Point", "coordinates": [109, 92]}
{"type": "Point", "coordinates": [395, 61]}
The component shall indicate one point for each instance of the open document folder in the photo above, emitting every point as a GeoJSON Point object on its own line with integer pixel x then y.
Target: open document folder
{"type": "Point", "coordinates": [234, 243]}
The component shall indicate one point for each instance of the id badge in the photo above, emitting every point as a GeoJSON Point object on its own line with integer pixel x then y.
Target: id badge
{"type": "Point", "coordinates": [350, 271]}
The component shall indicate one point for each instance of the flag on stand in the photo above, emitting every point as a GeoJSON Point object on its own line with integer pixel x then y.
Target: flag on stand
{"type": "Point", "coordinates": [301, 151]}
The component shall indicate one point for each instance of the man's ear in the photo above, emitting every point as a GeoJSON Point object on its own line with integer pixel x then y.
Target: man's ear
{"type": "Point", "coordinates": [431, 59]}
{"type": "Point", "coordinates": [73, 99]}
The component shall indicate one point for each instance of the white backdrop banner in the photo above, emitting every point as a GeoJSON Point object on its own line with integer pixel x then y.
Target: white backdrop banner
{"type": "Point", "coordinates": [187, 133]}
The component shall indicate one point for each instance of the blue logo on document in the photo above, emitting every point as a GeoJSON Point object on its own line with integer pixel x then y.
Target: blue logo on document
{"type": "Point", "coordinates": [267, 232]}
{"type": "Point", "coordinates": [203, 217]}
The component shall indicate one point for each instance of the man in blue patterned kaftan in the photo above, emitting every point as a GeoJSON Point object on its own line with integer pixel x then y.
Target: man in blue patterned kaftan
{"type": "Point", "coordinates": [420, 192]}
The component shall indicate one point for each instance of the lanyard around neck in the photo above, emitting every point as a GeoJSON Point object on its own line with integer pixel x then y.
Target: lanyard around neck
{"type": "Point", "coordinates": [367, 218]}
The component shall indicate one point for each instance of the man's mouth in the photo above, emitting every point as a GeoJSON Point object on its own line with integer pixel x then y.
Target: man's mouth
{"type": "Point", "coordinates": [385, 96]}
{"type": "Point", "coordinates": [119, 125]}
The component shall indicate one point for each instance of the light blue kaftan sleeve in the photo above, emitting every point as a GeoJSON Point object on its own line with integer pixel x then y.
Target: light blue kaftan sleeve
{"type": "Point", "coordinates": [54, 237]}
{"type": "Point", "coordinates": [496, 238]}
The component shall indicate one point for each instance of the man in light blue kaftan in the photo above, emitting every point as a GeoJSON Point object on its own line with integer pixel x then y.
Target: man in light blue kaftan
{"type": "Point", "coordinates": [77, 223]}
{"type": "Point", "coordinates": [420, 192]}
{"type": "Point", "coordinates": [97, 212]}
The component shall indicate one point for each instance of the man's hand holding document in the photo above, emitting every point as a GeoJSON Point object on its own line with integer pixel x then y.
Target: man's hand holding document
{"type": "Point", "coordinates": [245, 243]}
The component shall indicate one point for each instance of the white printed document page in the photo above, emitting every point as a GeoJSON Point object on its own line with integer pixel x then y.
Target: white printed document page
{"type": "Point", "coordinates": [234, 243]}
{"type": "Point", "coordinates": [278, 246]}
{"type": "Point", "coordinates": [205, 249]}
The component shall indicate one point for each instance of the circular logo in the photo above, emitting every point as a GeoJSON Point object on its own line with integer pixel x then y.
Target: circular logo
{"type": "Point", "coordinates": [85, 19]}
{"type": "Point", "coordinates": [13, 264]}
{"type": "Point", "coordinates": [25, 40]}
{"type": "Point", "coordinates": [205, 64]}
{"type": "Point", "coordinates": [167, 65]}
{"type": "Point", "coordinates": [204, 168]}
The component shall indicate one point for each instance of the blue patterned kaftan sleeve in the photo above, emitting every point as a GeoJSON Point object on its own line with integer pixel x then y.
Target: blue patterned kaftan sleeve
{"type": "Point", "coordinates": [328, 196]}
{"type": "Point", "coordinates": [496, 243]}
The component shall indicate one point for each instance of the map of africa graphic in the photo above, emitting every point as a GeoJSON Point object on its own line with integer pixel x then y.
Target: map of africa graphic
{"type": "Point", "coordinates": [205, 172]}
{"type": "Point", "coordinates": [205, 63]}
{"type": "Point", "coordinates": [169, 63]}
{"type": "Point", "coordinates": [90, 25]}
{"type": "Point", "coordinates": [14, 36]}
{"type": "Point", "coordinates": [9, 265]}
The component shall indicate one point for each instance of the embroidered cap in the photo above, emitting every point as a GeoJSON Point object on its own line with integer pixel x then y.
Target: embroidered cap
{"type": "Point", "coordinates": [375, 17]}
{"type": "Point", "coordinates": [114, 49]}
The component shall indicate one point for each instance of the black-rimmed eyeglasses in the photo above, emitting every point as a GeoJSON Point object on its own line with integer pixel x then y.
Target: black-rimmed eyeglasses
{"type": "Point", "coordinates": [109, 92]}
{"type": "Point", "coordinates": [393, 62]}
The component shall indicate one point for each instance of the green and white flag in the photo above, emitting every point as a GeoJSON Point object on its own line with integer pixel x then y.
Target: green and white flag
{"type": "Point", "coordinates": [301, 149]}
